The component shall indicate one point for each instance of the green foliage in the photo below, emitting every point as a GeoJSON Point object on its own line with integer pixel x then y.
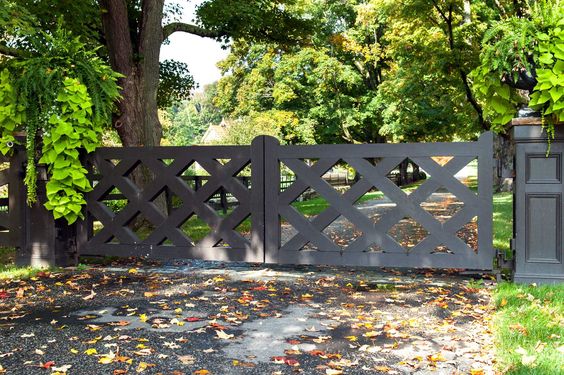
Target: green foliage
{"type": "Point", "coordinates": [521, 48]}
{"type": "Point", "coordinates": [528, 328]}
{"type": "Point", "coordinates": [185, 122]}
{"type": "Point", "coordinates": [373, 68]}
{"type": "Point", "coordinates": [71, 130]}
{"type": "Point", "coordinates": [430, 46]}
{"type": "Point", "coordinates": [256, 20]}
{"type": "Point", "coordinates": [175, 83]}
{"type": "Point", "coordinates": [283, 125]}
{"type": "Point", "coordinates": [62, 95]}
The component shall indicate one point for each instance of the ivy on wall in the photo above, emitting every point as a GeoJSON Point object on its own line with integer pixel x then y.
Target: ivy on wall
{"type": "Point", "coordinates": [62, 97]}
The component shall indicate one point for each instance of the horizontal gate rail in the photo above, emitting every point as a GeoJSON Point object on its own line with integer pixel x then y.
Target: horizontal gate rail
{"type": "Point", "coordinates": [358, 253]}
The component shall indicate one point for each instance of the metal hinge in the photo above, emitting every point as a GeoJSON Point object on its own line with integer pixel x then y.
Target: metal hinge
{"type": "Point", "coordinates": [502, 260]}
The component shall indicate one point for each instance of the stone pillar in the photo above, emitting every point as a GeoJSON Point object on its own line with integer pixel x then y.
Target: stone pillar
{"type": "Point", "coordinates": [538, 203]}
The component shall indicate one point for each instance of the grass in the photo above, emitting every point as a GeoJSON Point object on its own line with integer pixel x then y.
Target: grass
{"type": "Point", "coordinates": [503, 221]}
{"type": "Point", "coordinates": [529, 329]}
{"type": "Point", "coordinates": [8, 269]}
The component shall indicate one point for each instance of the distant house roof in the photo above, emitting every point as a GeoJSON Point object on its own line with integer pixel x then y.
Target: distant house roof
{"type": "Point", "coordinates": [214, 133]}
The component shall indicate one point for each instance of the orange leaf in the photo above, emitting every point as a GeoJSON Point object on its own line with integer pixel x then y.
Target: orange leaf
{"type": "Point", "coordinates": [201, 372]}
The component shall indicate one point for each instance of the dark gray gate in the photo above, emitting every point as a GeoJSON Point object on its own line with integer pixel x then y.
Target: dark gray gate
{"type": "Point", "coordinates": [441, 248]}
{"type": "Point", "coordinates": [111, 231]}
{"type": "Point", "coordinates": [12, 192]}
{"type": "Point", "coordinates": [267, 206]}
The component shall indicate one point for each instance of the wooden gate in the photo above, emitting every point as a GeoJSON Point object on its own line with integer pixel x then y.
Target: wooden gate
{"type": "Point", "coordinates": [117, 204]}
{"type": "Point", "coordinates": [12, 199]}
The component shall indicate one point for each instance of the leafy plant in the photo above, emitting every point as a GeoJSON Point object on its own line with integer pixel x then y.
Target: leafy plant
{"type": "Point", "coordinates": [62, 95]}
{"type": "Point", "coordinates": [523, 53]}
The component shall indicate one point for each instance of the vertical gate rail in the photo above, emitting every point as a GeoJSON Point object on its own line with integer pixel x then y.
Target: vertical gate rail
{"type": "Point", "coordinates": [113, 168]}
{"type": "Point", "coordinates": [357, 253]}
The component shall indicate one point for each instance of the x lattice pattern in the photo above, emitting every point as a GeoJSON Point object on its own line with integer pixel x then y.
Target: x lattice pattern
{"type": "Point", "coordinates": [440, 235]}
{"type": "Point", "coordinates": [166, 166]}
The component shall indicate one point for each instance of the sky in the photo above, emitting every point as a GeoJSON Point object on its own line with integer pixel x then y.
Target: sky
{"type": "Point", "coordinates": [200, 54]}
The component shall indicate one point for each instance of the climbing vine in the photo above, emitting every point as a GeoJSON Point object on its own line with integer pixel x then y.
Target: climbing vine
{"type": "Point", "coordinates": [62, 97]}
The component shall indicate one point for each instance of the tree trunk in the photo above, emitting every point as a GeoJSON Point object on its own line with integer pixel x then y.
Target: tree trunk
{"type": "Point", "coordinates": [137, 58]}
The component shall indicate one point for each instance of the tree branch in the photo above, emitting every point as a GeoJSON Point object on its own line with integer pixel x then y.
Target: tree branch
{"type": "Point", "coordinates": [9, 51]}
{"type": "Point", "coordinates": [173, 27]}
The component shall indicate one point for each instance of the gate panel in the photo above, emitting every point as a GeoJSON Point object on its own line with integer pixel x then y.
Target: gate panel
{"type": "Point", "coordinates": [163, 233]}
{"type": "Point", "coordinates": [441, 247]}
{"type": "Point", "coordinates": [12, 199]}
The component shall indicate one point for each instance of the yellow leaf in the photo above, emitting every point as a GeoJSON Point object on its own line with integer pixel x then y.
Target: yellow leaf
{"type": "Point", "coordinates": [476, 371]}
{"type": "Point", "coordinates": [90, 351]}
{"type": "Point", "coordinates": [222, 335]}
{"type": "Point", "coordinates": [503, 302]}
{"type": "Point", "coordinates": [132, 270]}
{"type": "Point", "coordinates": [201, 372]}
{"type": "Point", "coordinates": [74, 351]}
{"type": "Point", "coordinates": [142, 367]}
{"type": "Point", "coordinates": [143, 317]}
{"type": "Point", "coordinates": [351, 338]}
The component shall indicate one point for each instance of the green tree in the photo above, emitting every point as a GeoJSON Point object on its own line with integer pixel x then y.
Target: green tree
{"type": "Point", "coordinates": [189, 119]}
{"type": "Point", "coordinates": [330, 85]}
{"type": "Point", "coordinates": [132, 32]}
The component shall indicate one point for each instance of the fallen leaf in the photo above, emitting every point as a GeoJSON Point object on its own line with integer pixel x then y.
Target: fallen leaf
{"type": "Point", "coordinates": [201, 372]}
{"type": "Point", "coordinates": [62, 369]}
{"type": "Point", "coordinates": [47, 365]}
{"type": "Point", "coordinates": [90, 296]}
{"type": "Point", "coordinates": [223, 335]}
{"type": "Point", "coordinates": [186, 359]}
{"type": "Point", "coordinates": [192, 319]}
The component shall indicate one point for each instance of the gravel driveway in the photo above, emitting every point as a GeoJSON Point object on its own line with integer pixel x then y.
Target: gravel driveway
{"type": "Point", "coordinates": [191, 317]}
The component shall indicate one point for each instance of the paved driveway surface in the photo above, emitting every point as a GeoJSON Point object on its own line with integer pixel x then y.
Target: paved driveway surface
{"type": "Point", "coordinates": [210, 318]}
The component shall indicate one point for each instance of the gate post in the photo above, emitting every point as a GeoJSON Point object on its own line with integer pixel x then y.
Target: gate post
{"type": "Point", "coordinates": [538, 203]}
{"type": "Point", "coordinates": [265, 186]}
{"type": "Point", "coordinates": [46, 242]}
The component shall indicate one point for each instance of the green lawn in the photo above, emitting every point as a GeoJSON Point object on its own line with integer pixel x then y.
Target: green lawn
{"type": "Point", "coordinates": [8, 270]}
{"type": "Point", "coordinates": [503, 221]}
{"type": "Point", "coordinates": [529, 329]}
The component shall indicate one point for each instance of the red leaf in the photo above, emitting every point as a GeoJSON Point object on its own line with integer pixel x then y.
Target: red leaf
{"type": "Point", "coordinates": [48, 364]}
{"type": "Point", "coordinates": [3, 294]}
{"type": "Point", "coordinates": [192, 319]}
